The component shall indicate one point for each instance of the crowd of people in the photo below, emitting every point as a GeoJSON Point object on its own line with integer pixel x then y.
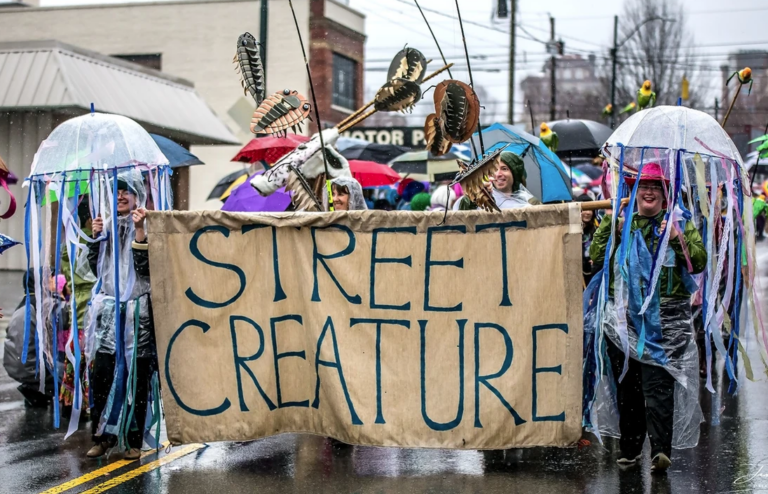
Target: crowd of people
{"type": "Point", "coordinates": [121, 304]}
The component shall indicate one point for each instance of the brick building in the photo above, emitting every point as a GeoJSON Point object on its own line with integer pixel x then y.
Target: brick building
{"type": "Point", "coordinates": [336, 59]}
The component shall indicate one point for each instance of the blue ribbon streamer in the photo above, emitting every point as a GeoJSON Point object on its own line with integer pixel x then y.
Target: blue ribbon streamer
{"type": "Point", "coordinates": [27, 302]}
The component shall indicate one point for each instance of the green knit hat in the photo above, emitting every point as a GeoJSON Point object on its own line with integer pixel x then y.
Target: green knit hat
{"type": "Point", "coordinates": [517, 167]}
{"type": "Point", "coordinates": [421, 201]}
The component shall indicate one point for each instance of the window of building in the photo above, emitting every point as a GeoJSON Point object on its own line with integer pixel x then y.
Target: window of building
{"type": "Point", "coordinates": [344, 81]}
{"type": "Point", "coordinates": [148, 60]}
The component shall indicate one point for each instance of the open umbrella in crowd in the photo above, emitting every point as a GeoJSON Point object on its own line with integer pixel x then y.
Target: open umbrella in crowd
{"type": "Point", "coordinates": [579, 137]}
{"type": "Point", "coordinates": [547, 178]}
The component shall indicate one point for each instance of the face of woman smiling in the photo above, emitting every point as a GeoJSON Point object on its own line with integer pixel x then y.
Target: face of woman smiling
{"type": "Point", "coordinates": [649, 198]}
{"type": "Point", "coordinates": [126, 202]}
{"type": "Point", "coordinates": [340, 199]}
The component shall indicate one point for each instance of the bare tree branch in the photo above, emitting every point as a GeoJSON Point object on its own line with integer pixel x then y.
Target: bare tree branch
{"type": "Point", "coordinates": [659, 51]}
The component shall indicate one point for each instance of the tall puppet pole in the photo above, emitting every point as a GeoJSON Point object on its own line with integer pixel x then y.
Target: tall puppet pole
{"type": "Point", "coordinates": [445, 62]}
{"type": "Point", "coordinates": [433, 36]}
{"type": "Point", "coordinates": [469, 69]}
{"type": "Point", "coordinates": [317, 112]}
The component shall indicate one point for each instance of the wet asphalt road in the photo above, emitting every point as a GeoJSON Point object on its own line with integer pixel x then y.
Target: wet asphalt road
{"type": "Point", "coordinates": [729, 458]}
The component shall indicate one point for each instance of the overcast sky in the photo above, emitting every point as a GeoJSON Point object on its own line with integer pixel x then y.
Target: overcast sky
{"type": "Point", "coordinates": [719, 27]}
{"type": "Point", "coordinates": [587, 26]}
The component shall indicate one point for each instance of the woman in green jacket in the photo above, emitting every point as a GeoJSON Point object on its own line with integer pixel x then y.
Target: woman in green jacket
{"type": "Point", "coordinates": [658, 340]}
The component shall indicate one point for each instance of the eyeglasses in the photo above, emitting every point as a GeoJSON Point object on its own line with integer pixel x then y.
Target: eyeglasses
{"type": "Point", "coordinates": [649, 187]}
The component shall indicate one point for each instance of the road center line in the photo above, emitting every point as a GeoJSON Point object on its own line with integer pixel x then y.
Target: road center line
{"type": "Point", "coordinates": [143, 469]}
{"type": "Point", "coordinates": [97, 473]}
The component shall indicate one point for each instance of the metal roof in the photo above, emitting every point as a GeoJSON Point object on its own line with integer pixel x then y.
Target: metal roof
{"type": "Point", "coordinates": [47, 75]}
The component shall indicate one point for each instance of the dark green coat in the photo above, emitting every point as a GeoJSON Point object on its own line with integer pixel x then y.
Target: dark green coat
{"type": "Point", "coordinates": [673, 287]}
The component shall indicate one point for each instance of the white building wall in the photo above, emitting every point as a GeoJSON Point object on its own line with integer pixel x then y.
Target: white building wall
{"type": "Point", "coordinates": [20, 136]}
{"type": "Point", "coordinates": [197, 41]}
{"type": "Point", "coordinates": [344, 15]}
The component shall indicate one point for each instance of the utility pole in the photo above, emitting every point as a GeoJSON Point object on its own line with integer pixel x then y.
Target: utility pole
{"type": "Point", "coordinates": [511, 108]}
{"type": "Point", "coordinates": [553, 79]}
{"type": "Point", "coordinates": [717, 108]}
{"type": "Point", "coordinates": [264, 17]}
{"type": "Point", "coordinates": [614, 50]}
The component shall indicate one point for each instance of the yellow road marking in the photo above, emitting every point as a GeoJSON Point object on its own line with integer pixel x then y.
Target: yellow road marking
{"type": "Point", "coordinates": [96, 473]}
{"type": "Point", "coordinates": [132, 474]}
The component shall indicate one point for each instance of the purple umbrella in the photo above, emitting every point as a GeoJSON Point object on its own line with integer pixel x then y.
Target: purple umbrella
{"type": "Point", "coordinates": [245, 199]}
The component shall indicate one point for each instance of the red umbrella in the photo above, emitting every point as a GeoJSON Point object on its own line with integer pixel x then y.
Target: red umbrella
{"type": "Point", "coordinates": [371, 174]}
{"type": "Point", "coordinates": [269, 149]}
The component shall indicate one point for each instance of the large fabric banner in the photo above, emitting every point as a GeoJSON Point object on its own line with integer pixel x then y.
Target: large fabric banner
{"type": "Point", "coordinates": [372, 327]}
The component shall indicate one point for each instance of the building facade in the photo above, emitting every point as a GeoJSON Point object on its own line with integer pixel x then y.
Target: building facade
{"type": "Point", "coordinates": [196, 40]}
{"type": "Point", "coordinates": [747, 120]}
{"type": "Point", "coordinates": [577, 90]}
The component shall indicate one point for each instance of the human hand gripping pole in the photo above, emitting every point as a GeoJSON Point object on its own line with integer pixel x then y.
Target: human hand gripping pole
{"type": "Point", "coordinates": [138, 216]}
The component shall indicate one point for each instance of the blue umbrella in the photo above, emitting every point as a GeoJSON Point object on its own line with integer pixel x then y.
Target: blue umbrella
{"type": "Point", "coordinates": [177, 155]}
{"type": "Point", "coordinates": [547, 178]}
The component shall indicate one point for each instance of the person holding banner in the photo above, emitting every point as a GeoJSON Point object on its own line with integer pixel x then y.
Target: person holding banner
{"type": "Point", "coordinates": [589, 224]}
{"type": "Point", "coordinates": [347, 194]}
{"type": "Point", "coordinates": [125, 353]}
{"type": "Point", "coordinates": [507, 186]}
{"type": "Point", "coordinates": [650, 350]}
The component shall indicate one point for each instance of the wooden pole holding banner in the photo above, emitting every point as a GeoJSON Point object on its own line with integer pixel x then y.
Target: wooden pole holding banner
{"type": "Point", "coordinates": [596, 205]}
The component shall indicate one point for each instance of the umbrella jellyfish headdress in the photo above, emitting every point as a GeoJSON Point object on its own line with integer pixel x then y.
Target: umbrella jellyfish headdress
{"type": "Point", "coordinates": [85, 159]}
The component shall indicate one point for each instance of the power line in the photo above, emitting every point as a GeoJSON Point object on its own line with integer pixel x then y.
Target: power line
{"type": "Point", "coordinates": [479, 24]}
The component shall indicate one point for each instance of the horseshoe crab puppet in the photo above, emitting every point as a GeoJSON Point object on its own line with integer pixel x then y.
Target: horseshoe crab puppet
{"type": "Point", "coordinates": [304, 170]}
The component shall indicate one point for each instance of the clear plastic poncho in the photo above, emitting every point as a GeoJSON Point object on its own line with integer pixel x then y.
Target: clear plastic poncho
{"type": "Point", "coordinates": [356, 199]}
{"type": "Point", "coordinates": [521, 198]}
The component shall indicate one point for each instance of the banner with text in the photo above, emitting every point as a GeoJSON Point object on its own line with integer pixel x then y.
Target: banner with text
{"type": "Point", "coordinates": [372, 327]}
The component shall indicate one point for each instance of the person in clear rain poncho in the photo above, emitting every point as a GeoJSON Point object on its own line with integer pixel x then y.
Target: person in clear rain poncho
{"type": "Point", "coordinates": [347, 194]}
{"type": "Point", "coordinates": [652, 354]}
{"type": "Point", "coordinates": [124, 354]}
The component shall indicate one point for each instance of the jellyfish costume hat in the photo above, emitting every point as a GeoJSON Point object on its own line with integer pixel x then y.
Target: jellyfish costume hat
{"type": "Point", "coordinates": [85, 159]}
{"type": "Point", "coordinates": [707, 185]}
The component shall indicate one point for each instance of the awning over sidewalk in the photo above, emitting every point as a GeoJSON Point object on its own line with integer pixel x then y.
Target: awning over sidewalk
{"type": "Point", "coordinates": [49, 75]}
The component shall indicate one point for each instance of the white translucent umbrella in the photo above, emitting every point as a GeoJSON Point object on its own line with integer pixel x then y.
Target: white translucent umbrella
{"type": "Point", "coordinates": [674, 127]}
{"type": "Point", "coordinates": [96, 141]}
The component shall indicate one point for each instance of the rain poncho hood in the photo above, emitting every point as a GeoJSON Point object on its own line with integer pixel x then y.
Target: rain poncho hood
{"type": "Point", "coordinates": [356, 199]}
